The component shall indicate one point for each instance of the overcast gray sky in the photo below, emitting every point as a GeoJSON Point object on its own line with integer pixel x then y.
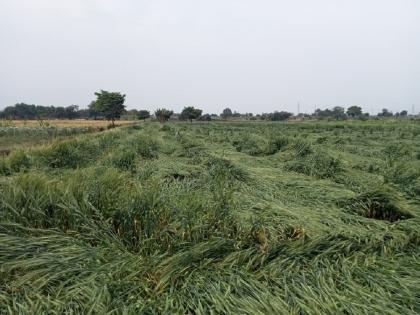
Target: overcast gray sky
{"type": "Point", "coordinates": [253, 56]}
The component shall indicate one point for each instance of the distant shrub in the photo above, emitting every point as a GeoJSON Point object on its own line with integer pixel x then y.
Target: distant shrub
{"type": "Point", "coordinates": [163, 114]}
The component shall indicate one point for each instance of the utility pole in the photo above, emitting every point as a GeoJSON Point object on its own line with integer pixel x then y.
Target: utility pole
{"type": "Point", "coordinates": [298, 108]}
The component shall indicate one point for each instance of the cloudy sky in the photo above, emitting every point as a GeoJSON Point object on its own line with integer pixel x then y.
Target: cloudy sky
{"type": "Point", "coordinates": [253, 56]}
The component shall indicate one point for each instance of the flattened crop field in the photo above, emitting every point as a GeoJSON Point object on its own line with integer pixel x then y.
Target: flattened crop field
{"type": "Point", "coordinates": [214, 218]}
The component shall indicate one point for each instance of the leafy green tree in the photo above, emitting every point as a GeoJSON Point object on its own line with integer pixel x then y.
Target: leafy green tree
{"type": "Point", "coordinates": [276, 116]}
{"type": "Point", "coordinates": [354, 111]}
{"type": "Point", "coordinates": [60, 112]}
{"type": "Point", "coordinates": [26, 111]}
{"type": "Point", "coordinates": [93, 111]}
{"type": "Point", "coordinates": [385, 113]}
{"type": "Point", "coordinates": [71, 112]}
{"type": "Point", "coordinates": [163, 114]}
{"type": "Point", "coordinates": [83, 113]}
{"type": "Point", "coordinates": [364, 116]}
{"type": "Point", "coordinates": [20, 110]}
{"type": "Point", "coordinates": [227, 113]}
{"type": "Point", "coordinates": [190, 113]}
{"type": "Point", "coordinates": [339, 113]}
{"type": "Point", "coordinates": [143, 114]}
{"type": "Point", "coordinates": [323, 113]}
{"type": "Point", "coordinates": [205, 117]}
{"type": "Point", "coordinates": [110, 104]}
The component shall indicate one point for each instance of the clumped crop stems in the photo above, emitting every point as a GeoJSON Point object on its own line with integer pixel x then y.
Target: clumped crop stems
{"type": "Point", "coordinates": [213, 218]}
